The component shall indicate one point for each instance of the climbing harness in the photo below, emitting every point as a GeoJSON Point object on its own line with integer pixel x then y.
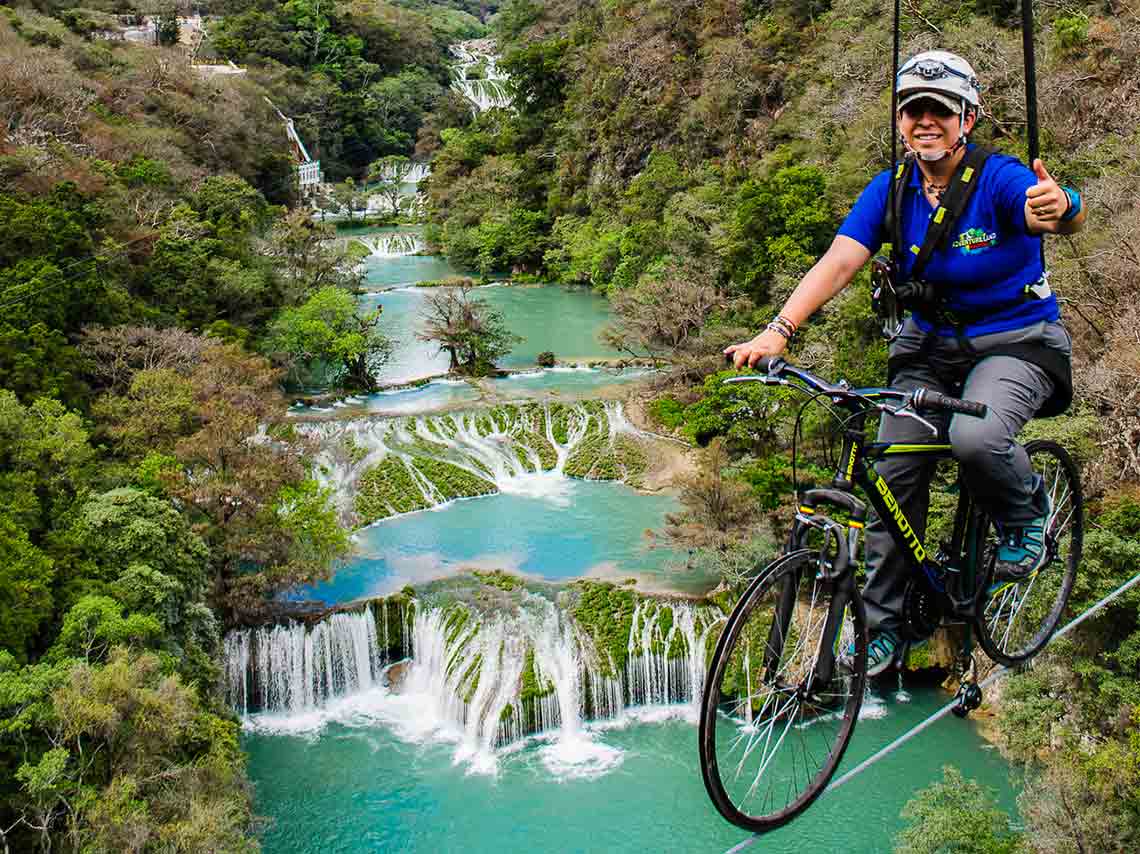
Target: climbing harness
{"type": "Point", "coordinates": [954, 704]}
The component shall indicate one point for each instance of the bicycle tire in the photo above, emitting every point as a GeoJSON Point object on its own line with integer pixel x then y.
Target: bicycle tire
{"type": "Point", "coordinates": [1017, 618]}
{"type": "Point", "coordinates": [823, 720]}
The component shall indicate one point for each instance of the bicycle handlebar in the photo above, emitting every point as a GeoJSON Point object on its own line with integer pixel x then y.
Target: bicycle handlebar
{"type": "Point", "coordinates": [933, 401]}
{"type": "Point", "coordinates": [775, 369]}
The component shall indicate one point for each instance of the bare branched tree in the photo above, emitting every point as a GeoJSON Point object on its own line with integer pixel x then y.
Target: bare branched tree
{"type": "Point", "coordinates": [466, 328]}
{"type": "Point", "coordinates": [663, 313]}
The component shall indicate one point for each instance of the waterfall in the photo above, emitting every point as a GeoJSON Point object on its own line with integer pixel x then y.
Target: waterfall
{"type": "Point", "coordinates": [394, 244]}
{"type": "Point", "coordinates": [416, 173]}
{"type": "Point", "coordinates": [495, 678]}
{"type": "Point", "coordinates": [381, 467]}
{"type": "Point", "coordinates": [296, 668]}
{"type": "Point", "coordinates": [667, 665]}
{"type": "Point", "coordinates": [487, 89]}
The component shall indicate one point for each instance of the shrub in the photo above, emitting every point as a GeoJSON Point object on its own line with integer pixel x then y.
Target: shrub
{"type": "Point", "coordinates": [1071, 31]}
{"type": "Point", "coordinates": [667, 411]}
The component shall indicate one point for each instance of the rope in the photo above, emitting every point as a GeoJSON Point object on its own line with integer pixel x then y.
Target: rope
{"type": "Point", "coordinates": [945, 710]}
{"type": "Point", "coordinates": [896, 227]}
{"type": "Point", "coordinates": [1031, 130]}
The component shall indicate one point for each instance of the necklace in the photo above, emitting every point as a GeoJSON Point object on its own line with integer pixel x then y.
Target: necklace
{"type": "Point", "coordinates": [936, 189]}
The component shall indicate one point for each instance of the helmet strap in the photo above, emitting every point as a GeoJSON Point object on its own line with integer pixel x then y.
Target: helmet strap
{"type": "Point", "coordinates": [946, 152]}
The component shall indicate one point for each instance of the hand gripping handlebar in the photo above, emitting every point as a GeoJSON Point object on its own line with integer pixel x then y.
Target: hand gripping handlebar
{"type": "Point", "coordinates": [776, 368]}
{"type": "Point", "coordinates": [928, 400]}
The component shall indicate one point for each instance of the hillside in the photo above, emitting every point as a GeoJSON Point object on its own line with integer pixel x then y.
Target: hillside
{"type": "Point", "coordinates": [156, 263]}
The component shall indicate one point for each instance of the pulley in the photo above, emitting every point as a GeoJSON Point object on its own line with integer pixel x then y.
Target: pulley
{"type": "Point", "coordinates": [968, 698]}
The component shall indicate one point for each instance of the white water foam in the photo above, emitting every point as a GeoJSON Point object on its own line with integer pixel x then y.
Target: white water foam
{"type": "Point", "coordinates": [462, 685]}
{"type": "Point", "coordinates": [500, 449]}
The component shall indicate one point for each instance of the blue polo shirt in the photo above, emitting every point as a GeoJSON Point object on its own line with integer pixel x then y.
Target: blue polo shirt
{"type": "Point", "coordinates": [990, 257]}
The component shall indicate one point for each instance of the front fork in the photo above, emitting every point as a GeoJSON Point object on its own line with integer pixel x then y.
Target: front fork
{"type": "Point", "coordinates": [834, 567]}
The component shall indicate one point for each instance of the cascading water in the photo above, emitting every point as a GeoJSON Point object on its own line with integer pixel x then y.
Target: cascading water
{"type": "Point", "coordinates": [417, 173]}
{"type": "Point", "coordinates": [382, 467]}
{"type": "Point", "coordinates": [667, 665]}
{"type": "Point", "coordinates": [296, 668]}
{"type": "Point", "coordinates": [476, 75]}
{"type": "Point", "coordinates": [394, 244]}
{"type": "Point", "coordinates": [492, 679]}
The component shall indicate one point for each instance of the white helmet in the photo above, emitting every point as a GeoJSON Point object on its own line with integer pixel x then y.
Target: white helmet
{"type": "Point", "coordinates": [943, 77]}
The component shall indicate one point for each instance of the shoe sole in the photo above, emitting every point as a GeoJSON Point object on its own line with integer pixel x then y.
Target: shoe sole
{"type": "Point", "coordinates": [881, 667]}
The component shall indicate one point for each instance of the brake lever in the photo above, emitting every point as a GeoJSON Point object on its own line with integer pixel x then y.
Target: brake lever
{"type": "Point", "coordinates": [905, 411]}
{"type": "Point", "coordinates": [766, 379]}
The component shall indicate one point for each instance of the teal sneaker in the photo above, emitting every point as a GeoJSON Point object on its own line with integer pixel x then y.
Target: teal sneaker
{"type": "Point", "coordinates": [1022, 550]}
{"type": "Point", "coordinates": [884, 648]}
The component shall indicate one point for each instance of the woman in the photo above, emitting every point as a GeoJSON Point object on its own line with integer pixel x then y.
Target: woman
{"type": "Point", "coordinates": [992, 334]}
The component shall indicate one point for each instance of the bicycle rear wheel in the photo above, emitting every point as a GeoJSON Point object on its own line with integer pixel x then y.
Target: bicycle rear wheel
{"type": "Point", "coordinates": [1020, 616]}
{"type": "Point", "coordinates": [777, 714]}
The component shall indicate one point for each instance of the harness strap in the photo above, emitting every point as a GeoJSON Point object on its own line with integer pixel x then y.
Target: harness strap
{"type": "Point", "coordinates": [953, 203]}
{"type": "Point", "coordinates": [962, 186]}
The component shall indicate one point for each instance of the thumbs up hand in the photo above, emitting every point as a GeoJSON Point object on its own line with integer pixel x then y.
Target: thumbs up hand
{"type": "Point", "coordinates": [1045, 201]}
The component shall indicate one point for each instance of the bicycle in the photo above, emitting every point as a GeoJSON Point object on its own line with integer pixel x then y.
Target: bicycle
{"type": "Point", "coordinates": [786, 680]}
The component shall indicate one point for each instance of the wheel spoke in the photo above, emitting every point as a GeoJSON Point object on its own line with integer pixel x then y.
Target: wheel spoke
{"type": "Point", "coordinates": [777, 741]}
{"type": "Point", "coordinates": [1021, 614]}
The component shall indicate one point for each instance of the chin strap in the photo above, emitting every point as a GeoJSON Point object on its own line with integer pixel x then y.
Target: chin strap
{"type": "Point", "coordinates": [946, 152]}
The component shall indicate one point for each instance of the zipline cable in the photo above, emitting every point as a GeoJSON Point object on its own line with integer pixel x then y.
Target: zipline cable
{"type": "Point", "coordinates": [945, 710]}
{"type": "Point", "coordinates": [1030, 80]}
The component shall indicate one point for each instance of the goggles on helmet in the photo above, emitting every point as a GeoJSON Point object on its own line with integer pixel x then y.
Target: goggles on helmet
{"type": "Point", "coordinates": [934, 69]}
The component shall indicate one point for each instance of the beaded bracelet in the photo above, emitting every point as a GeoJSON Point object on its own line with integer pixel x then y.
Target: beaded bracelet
{"type": "Point", "coordinates": [779, 330]}
{"type": "Point", "coordinates": [782, 326]}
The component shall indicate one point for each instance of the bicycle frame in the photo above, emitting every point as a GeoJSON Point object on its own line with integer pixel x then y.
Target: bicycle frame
{"type": "Point", "coordinates": [958, 565]}
{"type": "Point", "coordinates": [953, 575]}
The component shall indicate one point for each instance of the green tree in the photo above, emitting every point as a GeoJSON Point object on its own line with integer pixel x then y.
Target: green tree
{"type": "Point", "coordinates": [329, 331]}
{"type": "Point", "coordinates": [50, 286]}
{"type": "Point", "coordinates": [45, 460]}
{"type": "Point", "coordinates": [157, 408]}
{"type": "Point", "coordinates": [26, 576]}
{"type": "Point", "coordinates": [780, 224]}
{"type": "Point", "coordinates": [95, 624]}
{"type": "Point", "coordinates": [348, 198]}
{"type": "Point", "coordinates": [955, 816]}
{"type": "Point", "coordinates": [119, 757]}
{"type": "Point", "coordinates": [234, 486]}
{"type": "Point", "coordinates": [536, 74]}
{"type": "Point", "coordinates": [307, 257]}
{"type": "Point", "coordinates": [166, 27]}
{"type": "Point", "coordinates": [388, 174]}
{"type": "Point", "coordinates": [139, 549]}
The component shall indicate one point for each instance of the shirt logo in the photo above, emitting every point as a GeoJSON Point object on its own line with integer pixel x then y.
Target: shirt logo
{"type": "Point", "coordinates": [975, 240]}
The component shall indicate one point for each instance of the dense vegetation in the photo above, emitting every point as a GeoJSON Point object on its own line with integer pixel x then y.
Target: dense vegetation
{"type": "Point", "coordinates": [157, 295]}
{"type": "Point", "coordinates": [692, 159]}
{"type": "Point", "coordinates": [358, 77]}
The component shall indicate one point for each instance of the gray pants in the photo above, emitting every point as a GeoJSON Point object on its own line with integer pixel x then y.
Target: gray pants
{"type": "Point", "coordinates": [995, 466]}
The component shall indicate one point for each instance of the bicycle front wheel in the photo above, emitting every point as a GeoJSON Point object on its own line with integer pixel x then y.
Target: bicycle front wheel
{"type": "Point", "coordinates": [782, 694]}
{"type": "Point", "coordinates": [1020, 616]}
